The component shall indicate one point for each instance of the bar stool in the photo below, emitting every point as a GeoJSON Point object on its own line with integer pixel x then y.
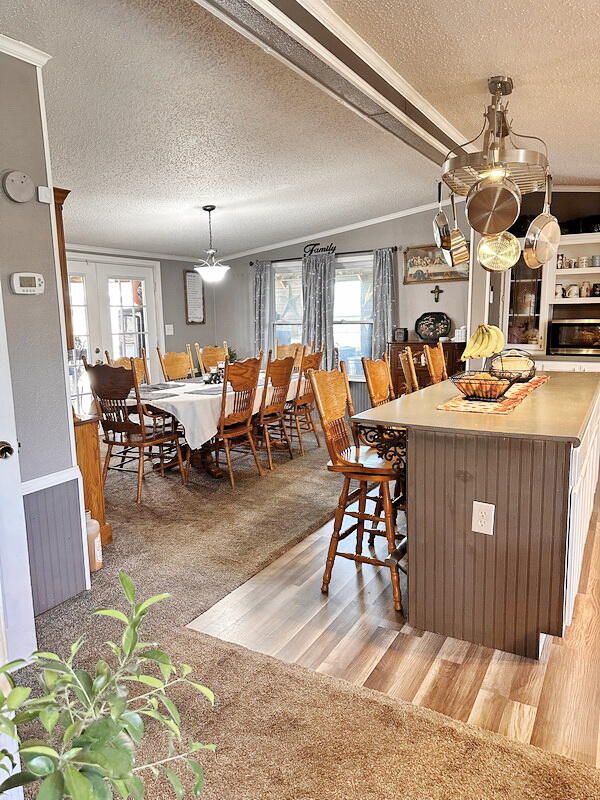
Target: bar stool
{"type": "Point", "coordinates": [356, 463]}
{"type": "Point", "coordinates": [408, 370]}
{"type": "Point", "coordinates": [379, 380]}
{"type": "Point", "coordinates": [436, 362]}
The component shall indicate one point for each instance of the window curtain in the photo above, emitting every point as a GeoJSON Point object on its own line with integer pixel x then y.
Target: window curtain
{"type": "Point", "coordinates": [383, 297]}
{"type": "Point", "coordinates": [262, 285]}
{"type": "Point", "coordinates": [318, 287]}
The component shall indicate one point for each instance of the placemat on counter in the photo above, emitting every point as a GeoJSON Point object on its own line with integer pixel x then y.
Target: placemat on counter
{"type": "Point", "coordinates": [508, 403]}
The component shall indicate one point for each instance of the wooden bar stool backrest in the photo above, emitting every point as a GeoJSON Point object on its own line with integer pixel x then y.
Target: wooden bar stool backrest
{"type": "Point", "coordinates": [379, 380]}
{"type": "Point", "coordinates": [304, 392]}
{"type": "Point", "coordinates": [408, 370]}
{"type": "Point", "coordinates": [436, 362]}
{"type": "Point", "coordinates": [331, 390]}
{"type": "Point", "coordinates": [140, 364]}
{"type": "Point", "coordinates": [176, 365]}
{"type": "Point", "coordinates": [278, 377]}
{"type": "Point", "coordinates": [211, 356]}
{"type": "Point", "coordinates": [294, 349]}
{"type": "Point", "coordinates": [239, 390]}
{"type": "Point", "coordinates": [111, 387]}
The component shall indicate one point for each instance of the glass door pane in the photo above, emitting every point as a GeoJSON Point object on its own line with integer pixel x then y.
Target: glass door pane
{"type": "Point", "coordinates": [81, 396]}
{"type": "Point", "coordinates": [524, 305]}
{"type": "Point", "coordinates": [128, 317]}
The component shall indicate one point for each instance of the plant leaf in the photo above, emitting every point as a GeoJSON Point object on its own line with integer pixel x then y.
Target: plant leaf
{"type": "Point", "coordinates": [52, 788]}
{"type": "Point", "coordinates": [143, 607]}
{"type": "Point", "coordinates": [19, 779]}
{"type": "Point", "coordinates": [77, 784]}
{"type": "Point", "coordinates": [199, 773]}
{"type": "Point", "coordinates": [17, 696]}
{"type": "Point", "coordinates": [112, 612]}
{"type": "Point", "coordinates": [205, 691]}
{"type": "Point", "coordinates": [135, 786]}
{"type": "Point", "coordinates": [149, 680]}
{"type": "Point", "coordinates": [198, 746]}
{"type": "Point", "coordinates": [156, 655]}
{"type": "Point", "coordinates": [40, 765]}
{"type": "Point", "coordinates": [134, 725]}
{"type": "Point", "coordinates": [37, 750]}
{"type": "Point", "coordinates": [171, 708]}
{"type": "Point", "coordinates": [175, 783]}
{"type": "Point", "coordinates": [49, 717]}
{"type": "Point", "coordinates": [100, 786]}
{"type": "Point", "coordinates": [128, 586]}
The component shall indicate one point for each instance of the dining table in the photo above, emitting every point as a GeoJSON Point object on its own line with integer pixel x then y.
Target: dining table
{"type": "Point", "coordinates": [196, 405]}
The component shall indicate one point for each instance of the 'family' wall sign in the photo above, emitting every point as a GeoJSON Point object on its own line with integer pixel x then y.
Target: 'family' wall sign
{"type": "Point", "coordinates": [316, 247]}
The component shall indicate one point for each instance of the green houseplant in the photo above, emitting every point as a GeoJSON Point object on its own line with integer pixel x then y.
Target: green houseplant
{"type": "Point", "coordinates": [91, 724]}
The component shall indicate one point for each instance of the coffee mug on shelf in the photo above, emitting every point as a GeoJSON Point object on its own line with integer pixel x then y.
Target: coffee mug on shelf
{"type": "Point", "coordinates": [573, 290]}
{"type": "Point", "coordinates": [595, 261]}
{"type": "Point", "coordinates": [559, 290]}
{"type": "Point", "coordinates": [586, 289]}
{"type": "Point", "coordinates": [583, 262]}
{"type": "Point", "coordinates": [560, 261]}
{"type": "Point", "coordinates": [596, 290]}
{"type": "Point", "coordinates": [571, 263]}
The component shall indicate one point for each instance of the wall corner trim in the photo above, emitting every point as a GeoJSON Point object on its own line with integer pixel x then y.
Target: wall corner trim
{"type": "Point", "coordinates": [53, 479]}
{"type": "Point", "coordinates": [23, 51]}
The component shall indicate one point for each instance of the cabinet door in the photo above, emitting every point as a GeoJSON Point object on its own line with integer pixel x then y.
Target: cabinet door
{"type": "Point", "coordinates": [526, 307]}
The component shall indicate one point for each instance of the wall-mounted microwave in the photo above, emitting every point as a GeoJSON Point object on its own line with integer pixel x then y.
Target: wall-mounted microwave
{"type": "Point", "coordinates": [574, 337]}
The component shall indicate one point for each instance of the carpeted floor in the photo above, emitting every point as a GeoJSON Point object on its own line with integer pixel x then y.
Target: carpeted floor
{"type": "Point", "coordinates": [198, 542]}
{"type": "Point", "coordinates": [285, 733]}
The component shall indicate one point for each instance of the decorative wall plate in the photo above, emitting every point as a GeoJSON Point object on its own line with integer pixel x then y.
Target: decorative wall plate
{"type": "Point", "coordinates": [431, 325]}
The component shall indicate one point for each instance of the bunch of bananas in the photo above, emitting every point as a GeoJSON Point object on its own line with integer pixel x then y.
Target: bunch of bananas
{"type": "Point", "coordinates": [487, 340]}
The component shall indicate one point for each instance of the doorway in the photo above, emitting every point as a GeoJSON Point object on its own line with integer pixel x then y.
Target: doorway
{"type": "Point", "coordinates": [116, 309]}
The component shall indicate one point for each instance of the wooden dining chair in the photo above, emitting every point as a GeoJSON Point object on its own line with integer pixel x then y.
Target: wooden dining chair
{"type": "Point", "coordinates": [299, 411]}
{"type": "Point", "coordinates": [240, 380]}
{"type": "Point", "coordinates": [436, 362]}
{"type": "Point", "coordinates": [121, 418]}
{"type": "Point", "coordinates": [270, 419]}
{"type": "Point", "coordinates": [407, 363]}
{"type": "Point", "coordinates": [140, 364]}
{"type": "Point", "coordinates": [294, 349]}
{"type": "Point", "coordinates": [210, 356]}
{"type": "Point", "coordinates": [176, 366]}
{"type": "Point", "coordinates": [356, 463]}
{"type": "Point", "coordinates": [379, 380]}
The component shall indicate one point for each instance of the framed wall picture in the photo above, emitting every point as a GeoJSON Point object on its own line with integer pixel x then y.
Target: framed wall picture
{"type": "Point", "coordinates": [425, 263]}
{"type": "Point", "coordinates": [193, 287]}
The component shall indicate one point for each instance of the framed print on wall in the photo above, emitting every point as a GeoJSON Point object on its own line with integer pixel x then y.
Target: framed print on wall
{"type": "Point", "coordinates": [425, 263]}
{"type": "Point", "coordinates": [194, 298]}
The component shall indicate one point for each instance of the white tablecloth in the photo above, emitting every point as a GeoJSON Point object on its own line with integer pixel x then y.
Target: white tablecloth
{"type": "Point", "coordinates": [197, 406]}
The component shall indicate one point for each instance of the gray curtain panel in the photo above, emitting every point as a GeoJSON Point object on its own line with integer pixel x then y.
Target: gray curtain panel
{"type": "Point", "coordinates": [318, 287]}
{"type": "Point", "coordinates": [262, 286]}
{"type": "Point", "coordinates": [383, 298]}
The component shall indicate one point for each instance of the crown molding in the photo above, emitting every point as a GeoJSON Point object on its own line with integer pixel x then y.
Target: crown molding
{"type": "Point", "coordinates": [342, 229]}
{"type": "Point", "coordinates": [115, 251]}
{"type": "Point", "coordinates": [23, 51]}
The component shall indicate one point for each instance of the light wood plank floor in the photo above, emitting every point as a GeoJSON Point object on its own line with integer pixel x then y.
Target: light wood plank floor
{"type": "Point", "coordinates": [355, 634]}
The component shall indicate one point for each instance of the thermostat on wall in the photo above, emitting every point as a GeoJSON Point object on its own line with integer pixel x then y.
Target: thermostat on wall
{"type": "Point", "coordinates": [27, 283]}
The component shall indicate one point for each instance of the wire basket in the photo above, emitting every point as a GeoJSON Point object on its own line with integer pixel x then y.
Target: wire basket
{"type": "Point", "coordinates": [482, 386]}
{"type": "Point", "coordinates": [501, 365]}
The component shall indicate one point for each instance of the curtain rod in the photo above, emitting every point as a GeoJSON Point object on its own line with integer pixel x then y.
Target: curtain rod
{"type": "Point", "coordinates": [394, 249]}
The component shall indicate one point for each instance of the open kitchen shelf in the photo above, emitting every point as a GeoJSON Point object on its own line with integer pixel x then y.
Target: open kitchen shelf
{"type": "Point", "coordinates": [572, 301]}
{"type": "Point", "coordinates": [578, 271]}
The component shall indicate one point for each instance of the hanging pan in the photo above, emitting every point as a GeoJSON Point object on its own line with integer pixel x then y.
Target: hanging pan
{"type": "Point", "coordinates": [493, 204]}
{"type": "Point", "coordinates": [498, 253]}
{"type": "Point", "coordinates": [441, 226]}
{"type": "Point", "coordinates": [459, 249]}
{"type": "Point", "coordinates": [543, 235]}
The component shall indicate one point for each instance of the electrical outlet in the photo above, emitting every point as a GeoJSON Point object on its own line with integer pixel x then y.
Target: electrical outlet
{"type": "Point", "coordinates": [483, 518]}
{"type": "Point", "coordinates": [168, 330]}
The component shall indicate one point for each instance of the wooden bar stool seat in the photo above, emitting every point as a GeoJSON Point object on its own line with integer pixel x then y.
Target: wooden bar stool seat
{"type": "Point", "coordinates": [359, 463]}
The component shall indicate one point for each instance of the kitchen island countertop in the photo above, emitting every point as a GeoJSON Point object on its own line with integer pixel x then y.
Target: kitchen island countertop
{"type": "Point", "coordinates": [558, 410]}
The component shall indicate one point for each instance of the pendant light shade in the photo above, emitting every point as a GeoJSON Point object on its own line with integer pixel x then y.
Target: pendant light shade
{"type": "Point", "coordinates": [211, 269]}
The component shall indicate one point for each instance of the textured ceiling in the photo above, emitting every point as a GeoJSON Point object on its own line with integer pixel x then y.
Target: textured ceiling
{"type": "Point", "coordinates": [447, 51]}
{"type": "Point", "coordinates": [156, 108]}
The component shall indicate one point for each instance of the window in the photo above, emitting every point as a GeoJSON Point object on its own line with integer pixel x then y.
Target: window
{"type": "Point", "coordinates": [81, 394]}
{"type": "Point", "coordinates": [287, 304]}
{"type": "Point", "coordinates": [352, 310]}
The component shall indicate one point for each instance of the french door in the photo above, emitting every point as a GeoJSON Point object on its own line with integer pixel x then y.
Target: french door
{"type": "Point", "coordinates": [113, 307]}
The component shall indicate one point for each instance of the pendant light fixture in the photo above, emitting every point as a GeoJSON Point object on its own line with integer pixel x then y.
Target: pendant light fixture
{"type": "Point", "coordinates": [495, 178]}
{"type": "Point", "coordinates": [211, 269]}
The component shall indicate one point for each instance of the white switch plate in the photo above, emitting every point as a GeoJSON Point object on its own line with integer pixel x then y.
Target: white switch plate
{"type": "Point", "coordinates": [44, 194]}
{"type": "Point", "coordinates": [483, 517]}
{"type": "Point", "coordinates": [168, 330]}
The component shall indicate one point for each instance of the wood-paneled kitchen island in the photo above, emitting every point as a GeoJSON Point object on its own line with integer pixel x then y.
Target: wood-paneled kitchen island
{"type": "Point", "coordinates": [538, 467]}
